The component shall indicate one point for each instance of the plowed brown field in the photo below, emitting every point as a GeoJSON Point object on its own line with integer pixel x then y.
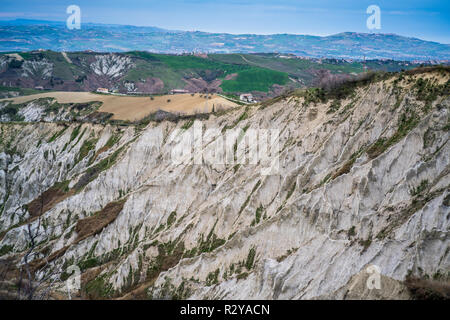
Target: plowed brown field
{"type": "Point", "coordinates": [135, 108]}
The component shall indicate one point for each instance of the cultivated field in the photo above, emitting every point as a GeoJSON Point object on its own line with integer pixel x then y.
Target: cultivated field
{"type": "Point", "coordinates": [135, 108]}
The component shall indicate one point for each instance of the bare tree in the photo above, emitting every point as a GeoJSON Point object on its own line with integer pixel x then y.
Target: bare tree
{"type": "Point", "coordinates": [29, 285]}
{"type": "Point", "coordinates": [8, 273]}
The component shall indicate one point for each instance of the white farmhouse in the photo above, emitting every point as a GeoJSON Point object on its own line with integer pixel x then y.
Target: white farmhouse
{"type": "Point", "coordinates": [102, 90]}
{"type": "Point", "coordinates": [246, 97]}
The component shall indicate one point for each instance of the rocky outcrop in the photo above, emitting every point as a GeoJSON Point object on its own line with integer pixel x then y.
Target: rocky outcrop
{"type": "Point", "coordinates": [37, 69]}
{"type": "Point", "coordinates": [111, 65]}
{"type": "Point", "coordinates": [49, 110]}
{"type": "Point", "coordinates": [361, 189]}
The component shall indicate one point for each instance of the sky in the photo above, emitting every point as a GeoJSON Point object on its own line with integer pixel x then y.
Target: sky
{"type": "Point", "coordinates": [424, 19]}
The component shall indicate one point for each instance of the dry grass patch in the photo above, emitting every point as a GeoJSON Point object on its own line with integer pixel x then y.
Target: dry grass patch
{"type": "Point", "coordinates": [40, 263]}
{"type": "Point", "coordinates": [94, 224]}
{"type": "Point", "coordinates": [48, 199]}
{"type": "Point", "coordinates": [425, 289]}
{"type": "Point", "coordinates": [136, 108]}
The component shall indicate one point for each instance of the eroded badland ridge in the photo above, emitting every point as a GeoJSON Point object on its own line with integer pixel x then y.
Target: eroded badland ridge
{"type": "Point", "coordinates": [363, 180]}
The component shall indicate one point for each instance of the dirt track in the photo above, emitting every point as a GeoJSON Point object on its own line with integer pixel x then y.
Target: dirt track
{"type": "Point", "coordinates": [134, 108]}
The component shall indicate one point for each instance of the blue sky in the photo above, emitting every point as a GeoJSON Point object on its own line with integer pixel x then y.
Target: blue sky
{"type": "Point", "coordinates": [425, 19]}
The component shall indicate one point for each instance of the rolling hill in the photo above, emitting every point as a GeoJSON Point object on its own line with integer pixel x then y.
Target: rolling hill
{"type": "Point", "coordinates": [138, 72]}
{"type": "Point", "coordinates": [27, 35]}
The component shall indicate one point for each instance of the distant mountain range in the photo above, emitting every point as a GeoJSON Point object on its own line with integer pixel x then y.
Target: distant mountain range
{"type": "Point", "coordinates": [27, 35]}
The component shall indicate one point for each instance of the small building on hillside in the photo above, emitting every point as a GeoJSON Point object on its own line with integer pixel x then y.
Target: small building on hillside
{"type": "Point", "coordinates": [102, 90]}
{"type": "Point", "coordinates": [201, 55]}
{"type": "Point", "coordinates": [179, 91]}
{"type": "Point", "coordinates": [246, 97]}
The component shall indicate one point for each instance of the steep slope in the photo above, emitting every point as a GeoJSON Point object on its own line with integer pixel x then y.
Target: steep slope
{"type": "Point", "coordinates": [362, 180]}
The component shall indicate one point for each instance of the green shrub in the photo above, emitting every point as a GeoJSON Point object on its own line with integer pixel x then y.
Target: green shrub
{"type": "Point", "coordinates": [88, 145]}
{"type": "Point", "coordinates": [75, 133]}
{"type": "Point", "coordinates": [258, 213]}
{"type": "Point", "coordinates": [351, 232]}
{"type": "Point", "coordinates": [171, 219]}
{"type": "Point", "coordinates": [187, 124]}
{"type": "Point", "coordinates": [89, 263]}
{"type": "Point", "coordinates": [6, 249]}
{"type": "Point", "coordinates": [250, 259]}
{"type": "Point", "coordinates": [406, 124]}
{"type": "Point", "coordinates": [57, 135]}
{"type": "Point", "coordinates": [420, 188]}
{"type": "Point", "coordinates": [212, 278]}
{"type": "Point", "coordinates": [99, 288]}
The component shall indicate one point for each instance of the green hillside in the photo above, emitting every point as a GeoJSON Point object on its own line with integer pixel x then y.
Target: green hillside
{"type": "Point", "coordinates": [153, 73]}
{"type": "Point", "coordinates": [255, 79]}
{"type": "Point", "coordinates": [174, 68]}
